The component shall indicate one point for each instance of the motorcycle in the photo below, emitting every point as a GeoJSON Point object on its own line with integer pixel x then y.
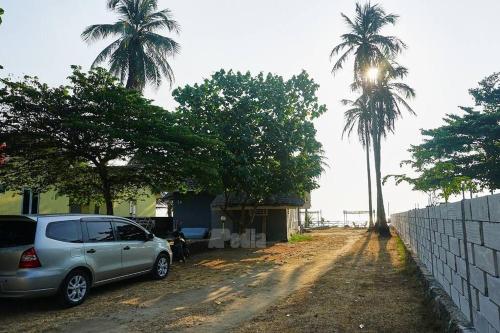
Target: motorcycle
{"type": "Point", "coordinates": [180, 248]}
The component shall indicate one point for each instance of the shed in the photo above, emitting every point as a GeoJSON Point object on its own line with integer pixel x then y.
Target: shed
{"type": "Point", "coordinates": [277, 216]}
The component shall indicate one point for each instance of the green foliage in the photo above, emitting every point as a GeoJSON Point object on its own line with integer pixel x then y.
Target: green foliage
{"type": "Point", "coordinates": [297, 238]}
{"type": "Point", "coordinates": [140, 55]}
{"type": "Point", "coordinates": [441, 178]}
{"type": "Point", "coordinates": [93, 140]}
{"type": "Point", "coordinates": [464, 153]}
{"type": "Point", "coordinates": [265, 124]}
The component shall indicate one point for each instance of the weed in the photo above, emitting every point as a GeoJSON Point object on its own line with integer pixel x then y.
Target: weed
{"type": "Point", "coordinates": [296, 238]}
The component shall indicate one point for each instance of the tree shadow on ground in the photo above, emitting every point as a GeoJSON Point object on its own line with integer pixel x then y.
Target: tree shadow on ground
{"type": "Point", "coordinates": [205, 277]}
{"type": "Point", "coordinates": [371, 288]}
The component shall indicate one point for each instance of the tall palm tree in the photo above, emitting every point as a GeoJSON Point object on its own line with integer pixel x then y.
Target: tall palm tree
{"type": "Point", "coordinates": [364, 40]}
{"type": "Point", "coordinates": [369, 47]}
{"type": "Point", "coordinates": [359, 117]}
{"type": "Point", "coordinates": [387, 98]}
{"type": "Point", "coordinates": [139, 54]}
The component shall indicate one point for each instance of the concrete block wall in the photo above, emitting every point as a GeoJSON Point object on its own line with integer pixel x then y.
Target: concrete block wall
{"type": "Point", "coordinates": [460, 244]}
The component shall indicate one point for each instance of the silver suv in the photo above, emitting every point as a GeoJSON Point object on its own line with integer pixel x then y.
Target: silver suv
{"type": "Point", "coordinates": [68, 254]}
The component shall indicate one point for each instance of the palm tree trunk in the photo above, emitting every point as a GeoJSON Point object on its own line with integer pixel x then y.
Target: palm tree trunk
{"type": "Point", "coordinates": [368, 172]}
{"type": "Point", "coordinates": [132, 79]}
{"type": "Point", "coordinates": [381, 226]}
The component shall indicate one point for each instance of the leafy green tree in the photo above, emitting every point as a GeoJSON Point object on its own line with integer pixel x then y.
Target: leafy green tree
{"type": "Point", "coordinates": [464, 153]}
{"type": "Point", "coordinates": [487, 95]}
{"type": "Point", "coordinates": [265, 125]}
{"type": "Point", "coordinates": [140, 55]}
{"type": "Point", "coordinates": [440, 179]}
{"type": "Point", "coordinates": [93, 140]}
{"type": "Point", "coordinates": [471, 142]}
{"type": "Point", "coordinates": [370, 49]}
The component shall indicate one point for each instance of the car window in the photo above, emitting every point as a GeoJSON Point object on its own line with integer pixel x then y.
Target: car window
{"type": "Point", "coordinates": [128, 232]}
{"type": "Point", "coordinates": [100, 231]}
{"type": "Point", "coordinates": [65, 231]}
{"type": "Point", "coordinates": [17, 233]}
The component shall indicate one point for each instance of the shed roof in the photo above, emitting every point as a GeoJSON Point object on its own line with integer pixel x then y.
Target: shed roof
{"type": "Point", "coordinates": [273, 200]}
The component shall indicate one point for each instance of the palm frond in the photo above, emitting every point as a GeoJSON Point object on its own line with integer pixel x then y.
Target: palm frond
{"type": "Point", "coordinates": [108, 50]}
{"type": "Point", "coordinates": [348, 21]}
{"type": "Point", "coordinates": [340, 62]}
{"type": "Point", "coordinates": [111, 4]}
{"type": "Point", "coordinates": [119, 61]}
{"type": "Point", "coordinates": [101, 31]}
{"type": "Point", "coordinates": [404, 89]}
{"type": "Point", "coordinates": [162, 64]}
{"type": "Point", "coordinates": [162, 44]}
{"type": "Point", "coordinates": [403, 102]}
{"type": "Point", "coordinates": [160, 20]}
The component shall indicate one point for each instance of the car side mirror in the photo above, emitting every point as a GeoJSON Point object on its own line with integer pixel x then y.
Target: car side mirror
{"type": "Point", "coordinates": [149, 237]}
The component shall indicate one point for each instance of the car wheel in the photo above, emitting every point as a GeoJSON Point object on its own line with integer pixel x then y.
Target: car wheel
{"type": "Point", "coordinates": [161, 267]}
{"type": "Point", "coordinates": [75, 288]}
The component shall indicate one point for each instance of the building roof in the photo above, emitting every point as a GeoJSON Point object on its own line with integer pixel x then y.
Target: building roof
{"type": "Point", "coordinates": [274, 200]}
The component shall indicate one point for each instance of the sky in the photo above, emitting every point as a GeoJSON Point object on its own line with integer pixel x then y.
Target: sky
{"type": "Point", "coordinates": [452, 44]}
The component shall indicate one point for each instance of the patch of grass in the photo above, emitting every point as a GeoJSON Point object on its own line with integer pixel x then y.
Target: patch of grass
{"type": "Point", "coordinates": [296, 238]}
{"type": "Point", "coordinates": [401, 248]}
{"type": "Point", "coordinates": [408, 266]}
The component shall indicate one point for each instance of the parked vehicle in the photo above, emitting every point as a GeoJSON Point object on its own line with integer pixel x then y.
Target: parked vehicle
{"type": "Point", "coordinates": [68, 254]}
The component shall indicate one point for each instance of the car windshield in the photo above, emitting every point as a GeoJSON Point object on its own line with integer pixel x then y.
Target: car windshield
{"type": "Point", "coordinates": [15, 232]}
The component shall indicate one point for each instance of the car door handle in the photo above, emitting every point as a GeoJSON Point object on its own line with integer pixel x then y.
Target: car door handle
{"type": "Point", "coordinates": [91, 251]}
{"type": "Point", "coordinates": [126, 248]}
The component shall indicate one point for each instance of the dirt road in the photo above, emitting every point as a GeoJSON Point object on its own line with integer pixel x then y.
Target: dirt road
{"type": "Point", "coordinates": [285, 286]}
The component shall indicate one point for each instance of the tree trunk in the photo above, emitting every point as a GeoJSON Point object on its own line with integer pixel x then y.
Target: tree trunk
{"type": "Point", "coordinates": [242, 220]}
{"type": "Point", "coordinates": [368, 171]}
{"type": "Point", "coordinates": [381, 226]}
{"type": "Point", "coordinates": [132, 80]}
{"type": "Point", "coordinates": [109, 203]}
{"type": "Point", "coordinates": [106, 188]}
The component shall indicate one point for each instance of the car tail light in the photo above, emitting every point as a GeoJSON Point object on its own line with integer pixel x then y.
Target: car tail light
{"type": "Point", "coordinates": [29, 259]}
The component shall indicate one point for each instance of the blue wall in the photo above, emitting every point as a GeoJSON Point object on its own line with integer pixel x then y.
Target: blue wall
{"type": "Point", "coordinates": [193, 209]}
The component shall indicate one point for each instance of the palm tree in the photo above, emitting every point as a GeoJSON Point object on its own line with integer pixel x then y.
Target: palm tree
{"type": "Point", "coordinates": [139, 55]}
{"type": "Point", "coordinates": [359, 116]}
{"type": "Point", "coordinates": [387, 98]}
{"type": "Point", "coordinates": [365, 42]}
{"type": "Point", "coordinates": [369, 47]}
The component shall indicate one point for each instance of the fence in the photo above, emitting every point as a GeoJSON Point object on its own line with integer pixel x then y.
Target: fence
{"type": "Point", "coordinates": [329, 224]}
{"type": "Point", "coordinates": [460, 244]}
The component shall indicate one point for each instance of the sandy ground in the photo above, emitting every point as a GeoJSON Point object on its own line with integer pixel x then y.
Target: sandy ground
{"type": "Point", "coordinates": [372, 288]}
{"type": "Point", "coordinates": [339, 280]}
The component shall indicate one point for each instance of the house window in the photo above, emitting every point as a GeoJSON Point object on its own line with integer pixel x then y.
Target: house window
{"type": "Point", "coordinates": [30, 202]}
